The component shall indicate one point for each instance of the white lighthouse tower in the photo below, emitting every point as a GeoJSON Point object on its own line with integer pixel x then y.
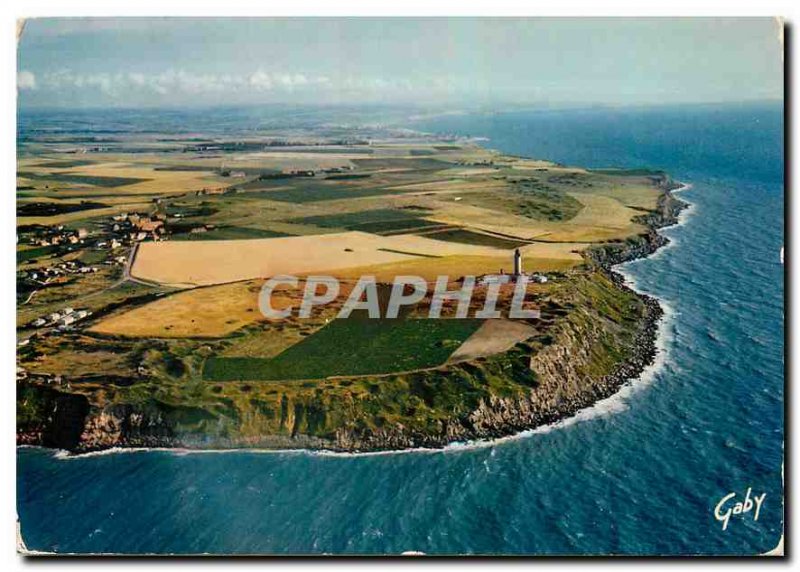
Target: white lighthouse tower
{"type": "Point", "coordinates": [517, 262]}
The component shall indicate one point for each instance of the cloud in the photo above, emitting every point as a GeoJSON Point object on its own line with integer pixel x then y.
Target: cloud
{"type": "Point", "coordinates": [182, 82]}
{"type": "Point", "coordinates": [26, 80]}
{"type": "Point", "coordinates": [67, 87]}
{"type": "Point", "coordinates": [176, 82]}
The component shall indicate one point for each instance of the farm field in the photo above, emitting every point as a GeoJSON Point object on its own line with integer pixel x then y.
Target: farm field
{"type": "Point", "coordinates": [493, 337]}
{"type": "Point", "coordinates": [215, 262]}
{"type": "Point", "coordinates": [203, 312]}
{"type": "Point", "coordinates": [460, 265]}
{"type": "Point", "coordinates": [353, 347]}
{"type": "Point", "coordinates": [229, 233]}
{"type": "Point", "coordinates": [140, 262]}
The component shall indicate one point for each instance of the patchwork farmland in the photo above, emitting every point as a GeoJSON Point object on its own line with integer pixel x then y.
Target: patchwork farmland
{"type": "Point", "coordinates": [140, 262]}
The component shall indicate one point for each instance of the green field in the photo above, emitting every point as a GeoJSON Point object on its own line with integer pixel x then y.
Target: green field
{"type": "Point", "coordinates": [375, 221]}
{"type": "Point", "coordinates": [38, 252]}
{"type": "Point", "coordinates": [186, 168]}
{"type": "Point", "coordinates": [93, 256]}
{"type": "Point", "coordinates": [347, 176]}
{"type": "Point", "coordinates": [229, 233]}
{"type": "Point", "coordinates": [468, 237]}
{"type": "Point", "coordinates": [65, 164]}
{"type": "Point", "coordinates": [400, 226]}
{"type": "Point", "coordinates": [314, 192]}
{"type": "Point", "coordinates": [352, 347]}
{"type": "Point", "coordinates": [416, 164]}
{"type": "Point", "coordinates": [93, 180]}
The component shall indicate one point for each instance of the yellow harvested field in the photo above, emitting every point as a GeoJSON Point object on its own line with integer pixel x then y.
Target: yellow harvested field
{"type": "Point", "coordinates": [156, 182]}
{"type": "Point", "coordinates": [202, 312]}
{"type": "Point", "coordinates": [460, 214]}
{"type": "Point", "coordinates": [494, 336]}
{"type": "Point", "coordinates": [602, 218]}
{"type": "Point", "coordinates": [457, 266]}
{"type": "Point", "coordinates": [429, 268]}
{"type": "Point", "coordinates": [194, 263]}
{"type": "Point", "coordinates": [551, 251]}
{"type": "Point", "coordinates": [642, 195]}
{"type": "Point", "coordinates": [217, 311]}
{"type": "Point", "coordinates": [602, 211]}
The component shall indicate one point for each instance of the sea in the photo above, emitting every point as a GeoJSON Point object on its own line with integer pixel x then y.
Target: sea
{"type": "Point", "coordinates": [641, 473]}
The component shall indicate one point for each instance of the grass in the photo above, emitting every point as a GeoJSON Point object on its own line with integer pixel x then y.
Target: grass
{"type": "Point", "coordinates": [94, 180]}
{"type": "Point", "coordinates": [348, 176]}
{"type": "Point", "coordinates": [468, 237]}
{"type": "Point", "coordinates": [377, 221]}
{"type": "Point", "coordinates": [315, 192]}
{"type": "Point", "coordinates": [416, 164]}
{"type": "Point", "coordinates": [352, 219]}
{"type": "Point", "coordinates": [352, 347]}
{"type": "Point", "coordinates": [65, 164]}
{"type": "Point", "coordinates": [229, 233]}
{"type": "Point", "coordinates": [187, 168]}
{"type": "Point", "coordinates": [194, 342]}
{"type": "Point", "coordinates": [38, 252]}
{"type": "Point", "coordinates": [53, 209]}
{"type": "Point", "coordinates": [540, 202]}
{"type": "Point", "coordinates": [397, 226]}
{"type": "Point", "coordinates": [93, 256]}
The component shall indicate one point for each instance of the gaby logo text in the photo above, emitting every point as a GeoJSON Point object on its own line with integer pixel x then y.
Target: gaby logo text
{"type": "Point", "coordinates": [729, 506]}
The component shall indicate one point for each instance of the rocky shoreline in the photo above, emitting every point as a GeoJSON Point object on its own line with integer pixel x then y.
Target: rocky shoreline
{"type": "Point", "coordinates": [499, 418]}
{"type": "Point", "coordinates": [69, 425]}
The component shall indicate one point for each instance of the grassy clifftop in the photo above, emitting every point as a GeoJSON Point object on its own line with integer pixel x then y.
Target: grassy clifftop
{"type": "Point", "coordinates": [175, 352]}
{"type": "Point", "coordinates": [589, 328]}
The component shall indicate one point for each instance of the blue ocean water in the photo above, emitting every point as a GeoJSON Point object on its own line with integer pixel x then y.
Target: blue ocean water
{"type": "Point", "coordinates": [639, 474]}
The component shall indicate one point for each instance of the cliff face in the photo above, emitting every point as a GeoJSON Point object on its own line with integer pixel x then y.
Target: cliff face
{"type": "Point", "coordinates": [607, 338]}
{"type": "Point", "coordinates": [50, 418]}
{"type": "Point", "coordinates": [583, 365]}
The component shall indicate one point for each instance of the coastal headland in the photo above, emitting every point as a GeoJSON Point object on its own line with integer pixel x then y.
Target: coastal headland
{"type": "Point", "coordinates": [140, 265]}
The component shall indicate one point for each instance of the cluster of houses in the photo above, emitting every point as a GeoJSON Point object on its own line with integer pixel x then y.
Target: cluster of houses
{"type": "Point", "coordinates": [47, 274]}
{"type": "Point", "coordinates": [57, 235]}
{"type": "Point", "coordinates": [63, 319]}
{"type": "Point", "coordinates": [135, 227]}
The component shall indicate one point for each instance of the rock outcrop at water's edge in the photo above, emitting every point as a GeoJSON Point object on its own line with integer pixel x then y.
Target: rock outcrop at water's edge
{"type": "Point", "coordinates": [562, 387]}
{"type": "Point", "coordinates": [562, 390]}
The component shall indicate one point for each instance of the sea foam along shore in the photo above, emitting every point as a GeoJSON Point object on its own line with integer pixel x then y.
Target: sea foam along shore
{"type": "Point", "coordinates": [654, 345]}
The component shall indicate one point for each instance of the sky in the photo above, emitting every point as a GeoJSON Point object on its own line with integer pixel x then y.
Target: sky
{"type": "Point", "coordinates": [138, 62]}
